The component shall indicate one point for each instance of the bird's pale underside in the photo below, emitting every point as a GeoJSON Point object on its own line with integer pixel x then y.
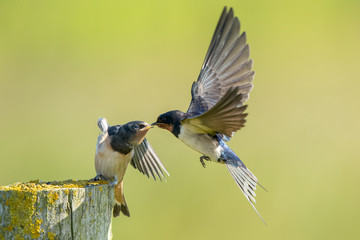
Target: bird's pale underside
{"type": "Point", "coordinates": [120, 145]}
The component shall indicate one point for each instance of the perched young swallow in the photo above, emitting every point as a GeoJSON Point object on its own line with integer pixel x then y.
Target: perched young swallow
{"type": "Point", "coordinates": [119, 145]}
{"type": "Point", "coordinates": [217, 107]}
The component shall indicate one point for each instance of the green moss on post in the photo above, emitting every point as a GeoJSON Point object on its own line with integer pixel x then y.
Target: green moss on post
{"type": "Point", "coordinates": [57, 210]}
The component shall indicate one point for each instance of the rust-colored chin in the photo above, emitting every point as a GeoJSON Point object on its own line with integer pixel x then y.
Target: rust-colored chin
{"type": "Point", "coordinates": [165, 126]}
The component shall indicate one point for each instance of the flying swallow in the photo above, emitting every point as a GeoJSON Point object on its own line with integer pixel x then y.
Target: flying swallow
{"type": "Point", "coordinates": [119, 145]}
{"type": "Point", "coordinates": [217, 107]}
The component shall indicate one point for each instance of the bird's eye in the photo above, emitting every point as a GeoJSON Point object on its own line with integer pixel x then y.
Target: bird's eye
{"type": "Point", "coordinates": [135, 127]}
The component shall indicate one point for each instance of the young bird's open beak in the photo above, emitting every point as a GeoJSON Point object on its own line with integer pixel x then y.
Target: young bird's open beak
{"type": "Point", "coordinates": [145, 128]}
{"type": "Point", "coordinates": [140, 135]}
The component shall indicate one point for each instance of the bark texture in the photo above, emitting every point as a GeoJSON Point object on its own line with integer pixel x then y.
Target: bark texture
{"type": "Point", "coordinates": [56, 210]}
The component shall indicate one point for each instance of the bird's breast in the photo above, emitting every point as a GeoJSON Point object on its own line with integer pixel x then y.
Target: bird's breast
{"type": "Point", "coordinates": [109, 162]}
{"type": "Point", "coordinates": [200, 142]}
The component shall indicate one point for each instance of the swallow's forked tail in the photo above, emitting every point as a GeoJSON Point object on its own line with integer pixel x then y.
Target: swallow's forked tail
{"type": "Point", "coordinates": [120, 207]}
{"type": "Point", "coordinates": [246, 181]}
{"type": "Point", "coordinates": [120, 203]}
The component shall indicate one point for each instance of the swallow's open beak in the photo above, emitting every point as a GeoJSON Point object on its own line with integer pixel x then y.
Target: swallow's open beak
{"type": "Point", "coordinates": [140, 135]}
{"type": "Point", "coordinates": [145, 128]}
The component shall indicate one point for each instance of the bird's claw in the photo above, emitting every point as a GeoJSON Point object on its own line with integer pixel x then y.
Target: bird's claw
{"type": "Point", "coordinates": [202, 163]}
{"type": "Point", "coordinates": [98, 177]}
{"type": "Point", "coordinates": [114, 181]}
{"type": "Point", "coordinates": [202, 158]}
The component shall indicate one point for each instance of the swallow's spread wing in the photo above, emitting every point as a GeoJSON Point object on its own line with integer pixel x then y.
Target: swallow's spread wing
{"type": "Point", "coordinates": [147, 162]}
{"type": "Point", "coordinates": [226, 65]}
{"type": "Point", "coordinates": [225, 117]}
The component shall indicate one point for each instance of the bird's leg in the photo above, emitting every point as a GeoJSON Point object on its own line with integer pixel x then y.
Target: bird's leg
{"type": "Point", "coordinates": [97, 178]}
{"type": "Point", "coordinates": [222, 160]}
{"type": "Point", "coordinates": [114, 181]}
{"type": "Point", "coordinates": [202, 158]}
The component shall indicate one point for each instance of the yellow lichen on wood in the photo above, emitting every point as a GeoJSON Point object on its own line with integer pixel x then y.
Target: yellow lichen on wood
{"type": "Point", "coordinates": [51, 236]}
{"type": "Point", "coordinates": [23, 198]}
{"type": "Point", "coordinates": [18, 237]}
{"type": "Point", "coordinates": [42, 210]}
{"type": "Point", "coordinates": [21, 212]}
{"type": "Point", "coordinates": [9, 228]}
{"type": "Point", "coordinates": [36, 230]}
{"type": "Point", "coordinates": [52, 197]}
{"type": "Point", "coordinates": [36, 185]}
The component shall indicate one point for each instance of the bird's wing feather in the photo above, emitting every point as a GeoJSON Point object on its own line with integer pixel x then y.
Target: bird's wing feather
{"type": "Point", "coordinates": [102, 124]}
{"type": "Point", "coordinates": [245, 180]}
{"type": "Point", "coordinates": [225, 117]}
{"type": "Point", "coordinates": [226, 65]}
{"type": "Point", "coordinates": [147, 162]}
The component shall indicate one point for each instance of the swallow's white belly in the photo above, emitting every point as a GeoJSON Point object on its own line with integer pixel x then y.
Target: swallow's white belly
{"type": "Point", "coordinates": [109, 162]}
{"type": "Point", "coordinates": [201, 143]}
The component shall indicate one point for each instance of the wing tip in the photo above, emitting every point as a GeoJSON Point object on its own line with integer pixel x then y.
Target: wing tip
{"type": "Point", "coordinates": [102, 124]}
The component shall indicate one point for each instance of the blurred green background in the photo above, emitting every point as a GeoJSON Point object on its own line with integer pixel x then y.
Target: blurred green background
{"type": "Point", "coordinates": [63, 64]}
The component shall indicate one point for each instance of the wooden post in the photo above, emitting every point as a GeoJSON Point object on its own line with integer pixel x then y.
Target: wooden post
{"type": "Point", "coordinates": [56, 210]}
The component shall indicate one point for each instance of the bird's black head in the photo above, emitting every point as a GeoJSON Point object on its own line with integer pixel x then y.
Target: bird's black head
{"type": "Point", "coordinates": [170, 121]}
{"type": "Point", "coordinates": [123, 138]}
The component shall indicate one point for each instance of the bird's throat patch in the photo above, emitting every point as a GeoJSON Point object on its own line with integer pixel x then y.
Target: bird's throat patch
{"type": "Point", "coordinates": [165, 126]}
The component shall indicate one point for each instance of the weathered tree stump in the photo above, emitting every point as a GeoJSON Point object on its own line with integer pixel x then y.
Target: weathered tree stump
{"type": "Point", "coordinates": [56, 210]}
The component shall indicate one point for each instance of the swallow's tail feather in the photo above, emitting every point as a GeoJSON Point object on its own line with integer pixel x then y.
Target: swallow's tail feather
{"type": "Point", "coordinates": [245, 180]}
{"type": "Point", "coordinates": [120, 203]}
{"type": "Point", "coordinates": [120, 207]}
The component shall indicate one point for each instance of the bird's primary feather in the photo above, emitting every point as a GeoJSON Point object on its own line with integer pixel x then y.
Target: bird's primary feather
{"type": "Point", "coordinates": [217, 107]}
{"type": "Point", "coordinates": [147, 162]}
{"type": "Point", "coordinates": [226, 65]}
{"type": "Point", "coordinates": [225, 117]}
